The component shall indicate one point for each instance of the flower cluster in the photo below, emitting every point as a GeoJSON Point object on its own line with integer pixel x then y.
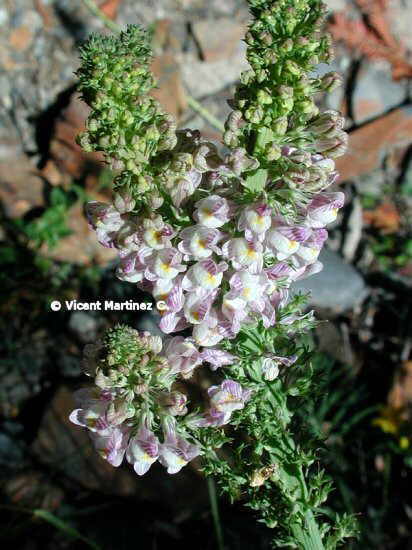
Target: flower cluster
{"type": "Point", "coordinates": [133, 410]}
{"type": "Point", "coordinates": [230, 264]}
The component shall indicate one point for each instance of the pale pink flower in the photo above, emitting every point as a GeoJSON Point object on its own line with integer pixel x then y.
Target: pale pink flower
{"type": "Point", "coordinates": [133, 266]}
{"type": "Point", "coordinates": [164, 264]}
{"type": "Point", "coordinates": [244, 254]}
{"type": "Point", "coordinates": [176, 451]}
{"type": "Point", "coordinates": [174, 403]}
{"type": "Point", "coordinates": [255, 220]}
{"type": "Point", "coordinates": [229, 396]}
{"type": "Point", "coordinates": [309, 251]}
{"type": "Point", "coordinates": [199, 241]}
{"type": "Point", "coordinates": [217, 358]}
{"type": "Point", "coordinates": [286, 240]}
{"type": "Point", "coordinates": [112, 446]}
{"type": "Point", "coordinates": [182, 355]}
{"type": "Point", "coordinates": [143, 450]}
{"type": "Point", "coordinates": [105, 220]}
{"type": "Point", "coordinates": [270, 365]}
{"type": "Point", "coordinates": [213, 211]}
{"type": "Point", "coordinates": [323, 209]}
{"type": "Point", "coordinates": [92, 414]}
{"type": "Point", "coordinates": [205, 274]}
{"type": "Point", "coordinates": [156, 233]}
{"type": "Point", "coordinates": [185, 187]}
{"type": "Point", "coordinates": [209, 332]}
{"type": "Point", "coordinates": [197, 305]}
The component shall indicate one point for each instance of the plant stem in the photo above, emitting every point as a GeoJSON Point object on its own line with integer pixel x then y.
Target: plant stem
{"type": "Point", "coordinates": [95, 10]}
{"type": "Point", "coordinates": [204, 113]}
{"type": "Point", "coordinates": [215, 512]}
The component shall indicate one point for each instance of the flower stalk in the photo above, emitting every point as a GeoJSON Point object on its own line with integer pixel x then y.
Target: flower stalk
{"type": "Point", "coordinates": [219, 240]}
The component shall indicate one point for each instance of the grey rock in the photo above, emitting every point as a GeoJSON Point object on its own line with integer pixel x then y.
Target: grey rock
{"type": "Point", "coordinates": [84, 326]}
{"type": "Point", "coordinates": [375, 91]}
{"type": "Point", "coordinates": [149, 321]}
{"type": "Point", "coordinates": [11, 454]}
{"type": "Point", "coordinates": [206, 78]}
{"type": "Point", "coordinates": [338, 287]}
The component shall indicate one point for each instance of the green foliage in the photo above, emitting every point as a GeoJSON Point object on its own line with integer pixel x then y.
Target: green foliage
{"type": "Point", "coordinates": [273, 469]}
{"type": "Point", "coordinates": [51, 226]}
{"type": "Point", "coordinates": [64, 527]}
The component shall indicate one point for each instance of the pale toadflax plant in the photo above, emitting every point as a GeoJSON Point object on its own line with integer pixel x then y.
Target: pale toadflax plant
{"type": "Point", "coordinates": [220, 240]}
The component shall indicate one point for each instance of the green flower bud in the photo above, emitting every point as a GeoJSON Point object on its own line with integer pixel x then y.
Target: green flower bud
{"type": "Point", "coordinates": [264, 98]}
{"type": "Point", "coordinates": [84, 141]}
{"type": "Point", "coordinates": [230, 139]}
{"type": "Point", "coordinates": [286, 105]}
{"type": "Point", "coordinates": [273, 152]}
{"type": "Point", "coordinates": [286, 46]}
{"type": "Point", "coordinates": [92, 124]}
{"type": "Point", "coordinates": [285, 92]}
{"type": "Point", "coordinates": [254, 114]}
{"type": "Point", "coordinates": [331, 81]}
{"type": "Point", "coordinates": [293, 68]}
{"type": "Point", "coordinates": [305, 106]}
{"type": "Point", "coordinates": [280, 126]}
{"type": "Point", "coordinates": [262, 75]}
{"type": "Point", "coordinates": [247, 77]}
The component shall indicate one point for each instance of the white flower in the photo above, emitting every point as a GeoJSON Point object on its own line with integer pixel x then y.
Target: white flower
{"type": "Point", "coordinates": [199, 242]}
{"type": "Point", "coordinates": [212, 212]}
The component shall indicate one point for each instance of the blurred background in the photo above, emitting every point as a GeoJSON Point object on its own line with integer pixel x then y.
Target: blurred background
{"type": "Point", "coordinates": [56, 493]}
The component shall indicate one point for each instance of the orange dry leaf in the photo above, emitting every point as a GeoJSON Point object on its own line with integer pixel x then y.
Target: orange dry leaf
{"type": "Point", "coordinates": [110, 7]}
{"type": "Point", "coordinates": [385, 217]}
{"type": "Point", "coordinates": [372, 36]}
{"type": "Point", "coordinates": [400, 395]}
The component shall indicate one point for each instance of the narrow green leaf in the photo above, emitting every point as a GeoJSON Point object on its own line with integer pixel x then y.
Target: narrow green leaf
{"type": "Point", "coordinates": [63, 526]}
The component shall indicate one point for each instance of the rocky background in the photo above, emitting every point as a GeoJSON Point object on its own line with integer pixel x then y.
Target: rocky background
{"type": "Point", "coordinates": [56, 493]}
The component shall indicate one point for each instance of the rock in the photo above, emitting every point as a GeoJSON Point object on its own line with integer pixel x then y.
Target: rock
{"type": "Point", "coordinates": [206, 78]}
{"type": "Point", "coordinates": [68, 448]}
{"type": "Point", "coordinates": [169, 91]}
{"type": "Point", "coordinates": [353, 233]}
{"type": "Point", "coordinates": [218, 38]}
{"type": "Point", "coordinates": [63, 149]}
{"type": "Point", "coordinates": [375, 92]}
{"type": "Point", "coordinates": [21, 373]}
{"type": "Point", "coordinates": [11, 454]}
{"type": "Point", "coordinates": [338, 287]}
{"type": "Point", "coordinates": [21, 187]}
{"type": "Point", "coordinates": [369, 144]}
{"type": "Point", "coordinates": [38, 60]}
{"type": "Point", "coordinates": [84, 326]}
{"type": "Point", "coordinates": [81, 247]}
{"type": "Point", "coordinates": [33, 490]}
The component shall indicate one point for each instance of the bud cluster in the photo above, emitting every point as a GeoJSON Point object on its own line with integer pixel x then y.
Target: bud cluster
{"type": "Point", "coordinates": [274, 104]}
{"type": "Point", "coordinates": [126, 124]}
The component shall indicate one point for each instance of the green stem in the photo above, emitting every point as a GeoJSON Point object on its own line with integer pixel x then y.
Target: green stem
{"type": "Point", "coordinates": [309, 536]}
{"type": "Point", "coordinates": [215, 512]}
{"type": "Point", "coordinates": [204, 113]}
{"type": "Point", "coordinates": [95, 10]}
